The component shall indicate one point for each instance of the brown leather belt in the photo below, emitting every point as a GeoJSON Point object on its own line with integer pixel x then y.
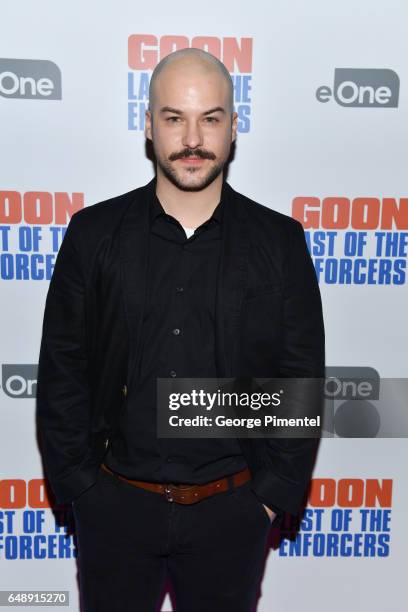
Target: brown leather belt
{"type": "Point", "coordinates": [188, 494]}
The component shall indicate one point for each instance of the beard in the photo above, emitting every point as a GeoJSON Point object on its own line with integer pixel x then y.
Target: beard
{"type": "Point", "coordinates": [184, 184]}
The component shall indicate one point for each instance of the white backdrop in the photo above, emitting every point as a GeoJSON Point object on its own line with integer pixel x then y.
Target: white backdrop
{"type": "Point", "coordinates": [88, 144]}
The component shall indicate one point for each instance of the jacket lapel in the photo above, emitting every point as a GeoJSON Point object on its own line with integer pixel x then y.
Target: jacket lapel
{"type": "Point", "coordinates": [134, 246]}
{"type": "Point", "coordinates": [231, 281]}
{"type": "Point", "coordinates": [231, 276]}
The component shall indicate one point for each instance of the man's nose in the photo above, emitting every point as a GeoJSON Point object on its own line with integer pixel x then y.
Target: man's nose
{"type": "Point", "coordinates": [192, 136]}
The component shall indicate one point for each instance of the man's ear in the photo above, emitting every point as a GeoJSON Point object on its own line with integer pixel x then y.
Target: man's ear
{"type": "Point", "coordinates": [234, 126]}
{"type": "Point", "coordinates": [148, 125]}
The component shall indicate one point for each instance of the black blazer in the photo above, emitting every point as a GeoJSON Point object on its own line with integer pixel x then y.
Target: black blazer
{"type": "Point", "coordinates": [268, 324]}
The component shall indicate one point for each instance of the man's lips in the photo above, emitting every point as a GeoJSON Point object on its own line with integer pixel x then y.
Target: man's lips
{"type": "Point", "coordinates": [191, 160]}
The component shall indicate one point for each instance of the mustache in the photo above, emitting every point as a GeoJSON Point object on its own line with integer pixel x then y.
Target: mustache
{"type": "Point", "coordinates": [192, 153]}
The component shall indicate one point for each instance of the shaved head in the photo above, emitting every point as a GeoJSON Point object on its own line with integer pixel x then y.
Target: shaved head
{"type": "Point", "coordinates": [191, 119]}
{"type": "Point", "coordinates": [195, 59]}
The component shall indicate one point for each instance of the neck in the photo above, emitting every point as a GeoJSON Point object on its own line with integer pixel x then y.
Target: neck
{"type": "Point", "coordinates": [190, 208]}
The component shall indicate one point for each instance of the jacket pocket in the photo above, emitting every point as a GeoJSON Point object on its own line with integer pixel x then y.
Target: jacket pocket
{"type": "Point", "coordinates": [262, 289]}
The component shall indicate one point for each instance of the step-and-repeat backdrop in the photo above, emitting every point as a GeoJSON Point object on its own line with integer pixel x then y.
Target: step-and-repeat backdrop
{"type": "Point", "coordinates": [321, 94]}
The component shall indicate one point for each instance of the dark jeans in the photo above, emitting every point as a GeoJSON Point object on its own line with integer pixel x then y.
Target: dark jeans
{"type": "Point", "coordinates": [129, 540]}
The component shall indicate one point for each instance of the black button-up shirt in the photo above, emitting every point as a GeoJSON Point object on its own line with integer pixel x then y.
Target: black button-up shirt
{"type": "Point", "coordinates": [178, 339]}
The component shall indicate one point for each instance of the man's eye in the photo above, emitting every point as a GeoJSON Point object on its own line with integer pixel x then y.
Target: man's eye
{"type": "Point", "coordinates": [211, 119]}
{"type": "Point", "coordinates": [172, 119]}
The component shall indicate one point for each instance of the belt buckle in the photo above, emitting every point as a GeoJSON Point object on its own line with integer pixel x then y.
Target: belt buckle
{"type": "Point", "coordinates": [168, 492]}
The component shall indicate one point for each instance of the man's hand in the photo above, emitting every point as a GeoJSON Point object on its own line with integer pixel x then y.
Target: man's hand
{"type": "Point", "coordinates": [270, 512]}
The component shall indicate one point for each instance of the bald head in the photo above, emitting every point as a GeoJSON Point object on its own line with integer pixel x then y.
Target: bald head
{"type": "Point", "coordinates": [191, 60]}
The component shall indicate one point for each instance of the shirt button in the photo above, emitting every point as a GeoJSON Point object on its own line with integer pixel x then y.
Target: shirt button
{"type": "Point", "coordinates": [179, 289]}
{"type": "Point", "coordinates": [176, 331]}
{"type": "Point", "coordinates": [124, 390]}
{"type": "Point", "coordinates": [169, 460]}
{"type": "Point", "coordinates": [173, 373]}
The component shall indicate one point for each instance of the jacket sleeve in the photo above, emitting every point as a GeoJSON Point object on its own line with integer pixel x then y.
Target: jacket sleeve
{"type": "Point", "coordinates": [287, 465]}
{"type": "Point", "coordinates": [63, 391]}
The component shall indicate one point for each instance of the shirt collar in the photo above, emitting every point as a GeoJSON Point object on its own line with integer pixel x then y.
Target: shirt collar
{"type": "Point", "coordinates": [157, 209]}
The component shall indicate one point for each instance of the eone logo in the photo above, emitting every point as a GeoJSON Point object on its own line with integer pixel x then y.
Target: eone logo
{"type": "Point", "coordinates": [30, 79]}
{"type": "Point", "coordinates": [19, 380]}
{"type": "Point", "coordinates": [362, 87]}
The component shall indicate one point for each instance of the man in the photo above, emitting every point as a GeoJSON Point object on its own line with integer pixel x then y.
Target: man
{"type": "Point", "coordinates": [183, 277]}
